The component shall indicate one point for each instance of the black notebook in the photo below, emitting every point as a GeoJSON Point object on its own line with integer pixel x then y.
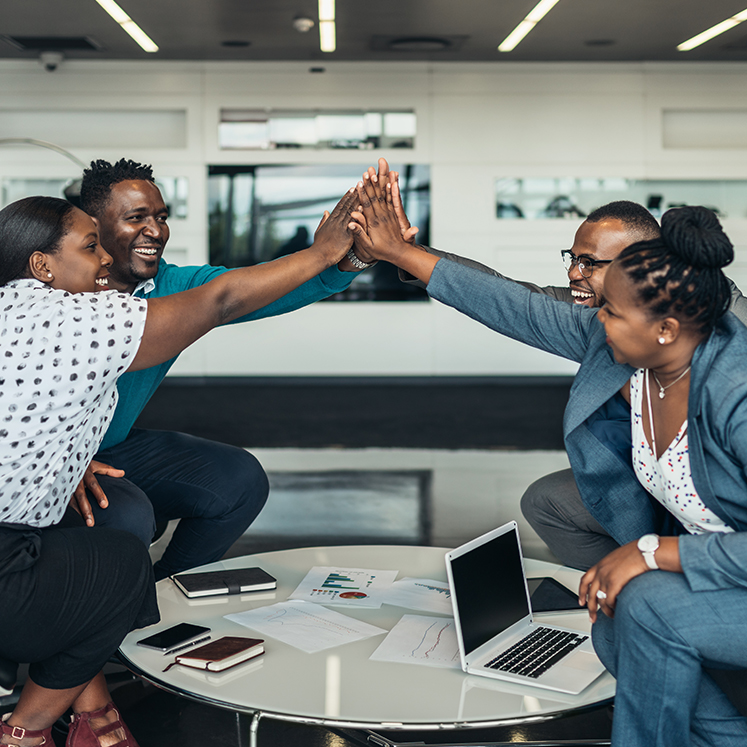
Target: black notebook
{"type": "Point", "coordinates": [233, 581]}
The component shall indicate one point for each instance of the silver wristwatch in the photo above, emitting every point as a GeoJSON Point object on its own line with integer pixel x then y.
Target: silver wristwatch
{"type": "Point", "coordinates": [359, 263]}
{"type": "Point", "coordinates": [648, 545]}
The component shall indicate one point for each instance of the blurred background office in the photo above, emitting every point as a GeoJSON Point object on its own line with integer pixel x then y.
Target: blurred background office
{"type": "Point", "coordinates": [381, 416]}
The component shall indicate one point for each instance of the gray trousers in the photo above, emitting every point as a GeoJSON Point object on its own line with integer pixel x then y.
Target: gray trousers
{"type": "Point", "coordinates": [553, 506]}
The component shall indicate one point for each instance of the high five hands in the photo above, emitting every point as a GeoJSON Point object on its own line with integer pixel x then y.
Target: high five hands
{"type": "Point", "coordinates": [381, 229]}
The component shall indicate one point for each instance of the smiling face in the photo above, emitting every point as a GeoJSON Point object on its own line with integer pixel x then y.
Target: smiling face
{"type": "Point", "coordinates": [80, 265]}
{"type": "Point", "coordinates": [602, 240]}
{"type": "Point", "coordinates": [632, 333]}
{"type": "Point", "coordinates": [134, 231]}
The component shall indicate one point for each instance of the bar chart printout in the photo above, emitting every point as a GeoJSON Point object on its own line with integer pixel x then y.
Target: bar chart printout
{"type": "Point", "coordinates": [350, 587]}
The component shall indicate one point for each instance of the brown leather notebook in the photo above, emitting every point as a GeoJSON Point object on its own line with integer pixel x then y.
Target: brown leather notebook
{"type": "Point", "coordinates": [221, 654]}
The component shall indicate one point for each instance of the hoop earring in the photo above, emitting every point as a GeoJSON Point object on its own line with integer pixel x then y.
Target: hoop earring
{"type": "Point", "coordinates": [661, 341]}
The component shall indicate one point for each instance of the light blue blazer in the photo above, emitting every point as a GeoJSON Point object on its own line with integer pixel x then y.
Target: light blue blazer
{"type": "Point", "coordinates": [717, 415]}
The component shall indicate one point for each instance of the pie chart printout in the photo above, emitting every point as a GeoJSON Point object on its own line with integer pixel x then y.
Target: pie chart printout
{"type": "Point", "coordinates": [355, 587]}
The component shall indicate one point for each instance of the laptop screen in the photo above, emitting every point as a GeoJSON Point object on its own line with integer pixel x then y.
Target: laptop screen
{"type": "Point", "coordinates": [489, 589]}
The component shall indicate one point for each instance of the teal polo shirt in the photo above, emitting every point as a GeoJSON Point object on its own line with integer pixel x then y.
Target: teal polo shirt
{"type": "Point", "coordinates": [136, 387]}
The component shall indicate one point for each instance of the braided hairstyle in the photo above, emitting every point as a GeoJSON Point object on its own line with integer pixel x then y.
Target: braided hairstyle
{"type": "Point", "coordinates": [680, 273]}
{"type": "Point", "coordinates": [98, 180]}
{"type": "Point", "coordinates": [34, 224]}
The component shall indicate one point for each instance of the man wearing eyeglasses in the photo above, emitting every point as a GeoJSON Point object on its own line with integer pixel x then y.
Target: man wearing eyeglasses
{"type": "Point", "coordinates": [552, 504]}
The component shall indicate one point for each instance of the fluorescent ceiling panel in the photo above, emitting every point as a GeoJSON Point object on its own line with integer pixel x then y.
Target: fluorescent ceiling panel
{"type": "Point", "coordinates": [712, 32]}
{"type": "Point", "coordinates": [142, 39]}
{"type": "Point", "coordinates": [534, 16]}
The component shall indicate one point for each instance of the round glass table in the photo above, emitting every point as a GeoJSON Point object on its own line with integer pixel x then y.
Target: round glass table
{"type": "Point", "coordinates": [341, 687]}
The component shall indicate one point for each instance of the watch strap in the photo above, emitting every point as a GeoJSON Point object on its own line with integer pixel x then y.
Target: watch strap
{"type": "Point", "coordinates": [356, 262]}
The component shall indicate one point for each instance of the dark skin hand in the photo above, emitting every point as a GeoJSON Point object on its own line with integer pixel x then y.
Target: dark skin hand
{"type": "Point", "coordinates": [80, 501]}
{"type": "Point", "coordinates": [615, 570]}
{"type": "Point", "coordinates": [383, 177]}
{"type": "Point", "coordinates": [378, 232]}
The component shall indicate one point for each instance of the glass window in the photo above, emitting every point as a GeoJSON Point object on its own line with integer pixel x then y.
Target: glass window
{"type": "Point", "coordinates": [259, 213]}
{"type": "Point", "coordinates": [569, 197]}
{"type": "Point", "coordinates": [252, 129]}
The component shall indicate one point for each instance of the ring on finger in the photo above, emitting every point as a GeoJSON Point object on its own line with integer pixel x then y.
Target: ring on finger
{"type": "Point", "coordinates": [601, 595]}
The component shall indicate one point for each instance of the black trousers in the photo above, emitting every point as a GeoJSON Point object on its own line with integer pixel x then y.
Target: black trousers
{"type": "Point", "coordinates": [69, 597]}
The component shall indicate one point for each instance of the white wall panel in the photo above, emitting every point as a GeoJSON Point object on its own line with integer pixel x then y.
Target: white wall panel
{"type": "Point", "coordinates": [476, 122]}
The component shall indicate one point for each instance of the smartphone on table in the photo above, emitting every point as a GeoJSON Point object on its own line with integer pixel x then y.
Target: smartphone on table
{"type": "Point", "coordinates": [176, 638]}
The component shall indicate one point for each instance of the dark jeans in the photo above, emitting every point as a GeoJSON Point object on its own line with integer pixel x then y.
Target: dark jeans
{"type": "Point", "coordinates": [69, 597]}
{"type": "Point", "coordinates": [216, 491]}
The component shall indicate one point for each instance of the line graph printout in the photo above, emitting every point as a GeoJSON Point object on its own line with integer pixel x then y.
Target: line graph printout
{"type": "Point", "coordinates": [421, 594]}
{"type": "Point", "coordinates": [303, 625]}
{"type": "Point", "coordinates": [349, 587]}
{"type": "Point", "coordinates": [421, 639]}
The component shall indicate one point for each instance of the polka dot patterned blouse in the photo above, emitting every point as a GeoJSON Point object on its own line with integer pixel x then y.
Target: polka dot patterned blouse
{"type": "Point", "coordinates": [60, 357]}
{"type": "Point", "coordinates": [669, 478]}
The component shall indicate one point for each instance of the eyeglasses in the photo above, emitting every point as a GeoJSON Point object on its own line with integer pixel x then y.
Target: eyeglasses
{"type": "Point", "coordinates": [585, 264]}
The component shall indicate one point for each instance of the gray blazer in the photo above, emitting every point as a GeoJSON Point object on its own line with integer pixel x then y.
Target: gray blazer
{"type": "Point", "coordinates": [717, 415]}
{"type": "Point", "coordinates": [559, 293]}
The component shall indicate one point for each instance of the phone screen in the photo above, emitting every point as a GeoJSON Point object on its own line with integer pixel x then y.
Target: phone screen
{"type": "Point", "coordinates": [174, 636]}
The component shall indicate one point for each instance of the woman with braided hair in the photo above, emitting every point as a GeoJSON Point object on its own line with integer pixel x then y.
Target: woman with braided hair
{"type": "Point", "coordinates": [668, 482]}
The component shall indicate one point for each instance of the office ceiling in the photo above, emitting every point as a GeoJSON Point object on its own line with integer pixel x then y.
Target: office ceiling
{"type": "Point", "coordinates": [422, 30]}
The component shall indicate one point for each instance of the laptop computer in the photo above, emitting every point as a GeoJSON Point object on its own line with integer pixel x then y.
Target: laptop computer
{"type": "Point", "coordinates": [497, 634]}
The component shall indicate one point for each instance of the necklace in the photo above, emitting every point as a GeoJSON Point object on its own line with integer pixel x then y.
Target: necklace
{"type": "Point", "coordinates": [663, 389]}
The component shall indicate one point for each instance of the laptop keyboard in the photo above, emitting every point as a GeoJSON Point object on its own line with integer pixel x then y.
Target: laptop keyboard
{"type": "Point", "coordinates": [534, 654]}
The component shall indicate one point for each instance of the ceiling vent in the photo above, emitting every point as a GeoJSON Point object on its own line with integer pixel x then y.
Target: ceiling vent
{"type": "Point", "coordinates": [418, 44]}
{"type": "Point", "coordinates": [59, 43]}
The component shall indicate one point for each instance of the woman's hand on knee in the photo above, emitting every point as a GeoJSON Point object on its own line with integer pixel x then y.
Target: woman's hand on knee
{"type": "Point", "coordinates": [601, 584]}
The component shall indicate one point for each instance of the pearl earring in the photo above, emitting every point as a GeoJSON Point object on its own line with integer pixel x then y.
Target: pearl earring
{"type": "Point", "coordinates": [661, 341]}
{"type": "Point", "coordinates": [49, 274]}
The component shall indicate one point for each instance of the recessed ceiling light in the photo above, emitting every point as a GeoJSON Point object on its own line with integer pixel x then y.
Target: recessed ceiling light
{"type": "Point", "coordinates": [145, 42]}
{"type": "Point", "coordinates": [710, 33]}
{"type": "Point", "coordinates": [419, 44]}
{"type": "Point", "coordinates": [534, 16]}
{"type": "Point", "coordinates": [327, 30]}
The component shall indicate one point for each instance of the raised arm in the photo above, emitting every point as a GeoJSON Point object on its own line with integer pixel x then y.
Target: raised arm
{"type": "Point", "coordinates": [502, 305]}
{"type": "Point", "coordinates": [378, 230]}
{"type": "Point", "coordinates": [175, 322]}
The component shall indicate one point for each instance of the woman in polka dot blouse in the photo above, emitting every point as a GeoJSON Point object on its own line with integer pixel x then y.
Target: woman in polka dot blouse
{"type": "Point", "coordinates": [68, 597]}
{"type": "Point", "coordinates": [673, 607]}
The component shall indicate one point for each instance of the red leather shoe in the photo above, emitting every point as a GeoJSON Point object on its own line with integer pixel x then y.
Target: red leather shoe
{"type": "Point", "coordinates": [16, 732]}
{"type": "Point", "coordinates": [82, 734]}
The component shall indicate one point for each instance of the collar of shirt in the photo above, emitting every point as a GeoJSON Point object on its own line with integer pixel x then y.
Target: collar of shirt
{"type": "Point", "coordinates": [144, 287]}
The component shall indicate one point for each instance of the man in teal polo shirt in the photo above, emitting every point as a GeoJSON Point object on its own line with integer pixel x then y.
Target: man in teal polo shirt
{"type": "Point", "coordinates": [216, 490]}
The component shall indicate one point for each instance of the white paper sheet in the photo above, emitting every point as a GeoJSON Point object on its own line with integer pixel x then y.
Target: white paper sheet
{"type": "Point", "coordinates": [420, 594]}
{"type": "Point", "coordinates": [304, 625]}
{"type": "Point", "coordinates": [347, 587]}
{"type": "Point", "coordinates": [421, 639]}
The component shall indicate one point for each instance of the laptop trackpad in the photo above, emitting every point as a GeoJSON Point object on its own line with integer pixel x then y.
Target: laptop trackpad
{"type": "Point", "coordinates": [582, 660]}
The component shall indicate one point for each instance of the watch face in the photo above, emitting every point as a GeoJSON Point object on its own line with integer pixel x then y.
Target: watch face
{"type": "Point", "coordinates": [648, 543]}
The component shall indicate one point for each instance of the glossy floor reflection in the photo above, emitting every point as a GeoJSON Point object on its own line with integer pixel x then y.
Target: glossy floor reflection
{"type": "Point", "coordinates": [158, 719]}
